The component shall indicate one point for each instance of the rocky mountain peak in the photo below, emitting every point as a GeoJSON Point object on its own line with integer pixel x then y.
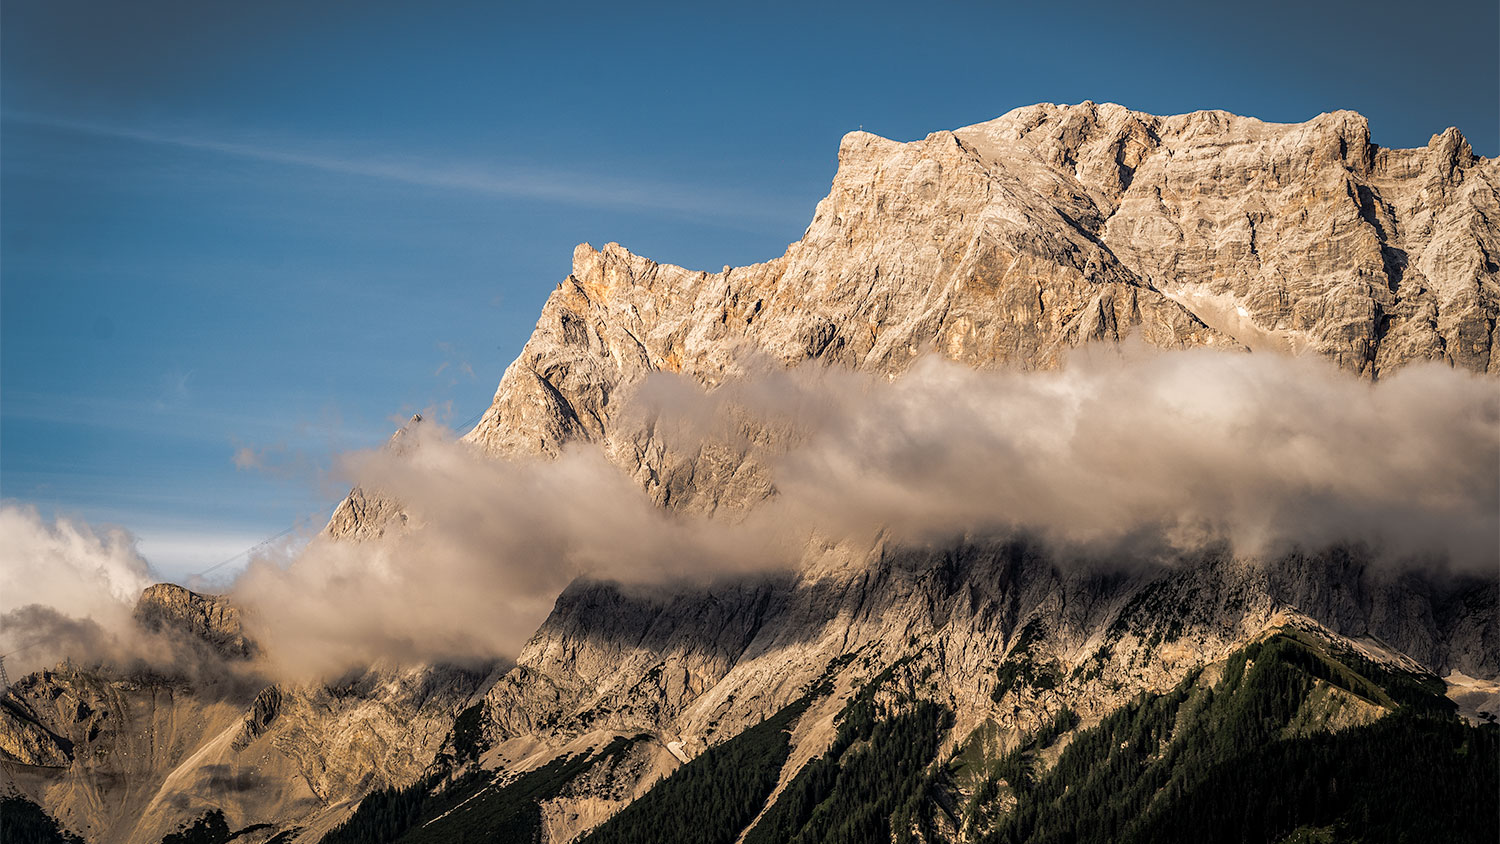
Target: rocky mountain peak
{"type": "Point", "coordinates": [367, 514]}
{"type": "Point", "coordinates": [1007, 243]}
{"type": "Point", "coordinates": [210, 618]}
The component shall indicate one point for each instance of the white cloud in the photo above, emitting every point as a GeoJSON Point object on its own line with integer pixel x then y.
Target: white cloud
{"type": "Point", "coordinates": [77, 571]}
{"type": "Point", "coordinates": [1153, 452]}
{"type": "Point", "coordinates": [1157, 453]}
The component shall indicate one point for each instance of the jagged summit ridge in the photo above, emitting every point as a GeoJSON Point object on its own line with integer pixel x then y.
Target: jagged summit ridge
{"type": "Point", "coordinates": [1003, 243]}
{"type": "Point", "coordinates": [1007, 243]}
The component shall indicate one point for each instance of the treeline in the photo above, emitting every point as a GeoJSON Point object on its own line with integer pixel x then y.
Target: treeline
{"type": "Point", "coordinates": [509, 813]}
{"type": "Point", "coordinates": [473, 808]}
{"type": "Point", "coordinates": [1218, 764]}
{"type": "Point", "coordinates": [869, 786]}
{"type": "Point", "coordinates": [24, 822]}
{"type": "Point", "coordinates": [383, 816]}
{"type": "Point", "coordinates": [712, 798]}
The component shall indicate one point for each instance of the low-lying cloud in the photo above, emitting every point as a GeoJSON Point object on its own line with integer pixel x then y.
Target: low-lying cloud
{"type": "Point", "coordinates": [1199, 446]}
{"type": "Point", "coordinates": [487, 547]}
{"type": "Point", "coordinates": [1123, 448]}
{"type": "Point", "coordinates": [69, 591]}
{"type": "Point", "coordinates": [63, 586]}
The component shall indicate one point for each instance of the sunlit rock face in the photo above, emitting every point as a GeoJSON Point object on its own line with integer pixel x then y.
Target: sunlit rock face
{"type": "Point", "coordinates": [208, 617]}
{"type": "Point", "coordinates": [1008, 243]}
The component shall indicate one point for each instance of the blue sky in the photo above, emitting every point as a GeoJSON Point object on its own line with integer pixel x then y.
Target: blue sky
{"type": "Point", "coordinates": [281, 226]}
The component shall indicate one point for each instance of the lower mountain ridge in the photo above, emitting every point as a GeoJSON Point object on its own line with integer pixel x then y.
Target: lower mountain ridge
{"type": "Point", "coordinates": [980, 693]}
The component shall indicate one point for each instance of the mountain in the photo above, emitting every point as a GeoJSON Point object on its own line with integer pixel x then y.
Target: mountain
{"type": "Point", "coordinates": [1007, 243]}
{"type": "Point", "coordinates": [127, 754]}
{"type": "Point", "coordinates": [970, 691]}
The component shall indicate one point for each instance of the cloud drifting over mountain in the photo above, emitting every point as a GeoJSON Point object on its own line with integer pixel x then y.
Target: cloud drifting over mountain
{"type": "Point", "coordinates": [1124, 453]}
{"type": "Point", "coordinates": [1258, 450]}
{"type": "Point", "coordinates": [1157, 453]}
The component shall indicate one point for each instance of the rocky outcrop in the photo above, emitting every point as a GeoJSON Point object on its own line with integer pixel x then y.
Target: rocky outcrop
{"type": "Point", "coordinates": [210, 618]}
{"type": "Point", "coordinates": [24, 739]}
{"type": "Point", "coordinates": [368, 514]}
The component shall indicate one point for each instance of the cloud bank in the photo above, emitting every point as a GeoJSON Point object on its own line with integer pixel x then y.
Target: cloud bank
{"type": "Point", "coordinates": [67, 565]}
{"type": "Point", "coordinates": [69, 591]}
{"type": "Point", "coordinates": [1198, 446]}
{"type": "Point", "coordinates": [1162, 451]}
{"type": "Point", "coordinates": [1158, 453]}
{"type": "Point", "coordinates": [66, 589]}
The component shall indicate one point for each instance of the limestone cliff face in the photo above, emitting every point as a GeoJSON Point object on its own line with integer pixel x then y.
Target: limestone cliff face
{"type": "Point", "coordinates": [1300, 237]}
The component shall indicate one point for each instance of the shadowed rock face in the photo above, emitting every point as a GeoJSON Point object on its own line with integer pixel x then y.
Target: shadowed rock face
{"type": "Point", "coordinates": [695, 666]}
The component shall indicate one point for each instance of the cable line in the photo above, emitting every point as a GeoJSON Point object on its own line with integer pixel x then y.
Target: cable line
{"type": "Point", "coordinates": [270, 539]}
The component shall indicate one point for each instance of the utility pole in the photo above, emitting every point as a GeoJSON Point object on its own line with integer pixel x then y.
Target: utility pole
{"type": "Point", "coordinates": [4, 678]}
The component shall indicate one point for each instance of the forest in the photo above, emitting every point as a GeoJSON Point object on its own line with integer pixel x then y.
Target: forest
{"type": "Point", "coordinates": [712, 798]}
{"type": "Point", "coordinates": [1231, 762]}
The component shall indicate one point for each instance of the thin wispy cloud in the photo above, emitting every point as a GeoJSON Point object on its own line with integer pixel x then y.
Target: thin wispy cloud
{"type": "Point", "coordinates": [528, 182]}
{"type": "Point", "coordinates": [188, 422]}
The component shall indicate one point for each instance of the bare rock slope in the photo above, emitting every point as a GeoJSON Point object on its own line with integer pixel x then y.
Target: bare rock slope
{"type": "Point", "coordinates": [130, 754]}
